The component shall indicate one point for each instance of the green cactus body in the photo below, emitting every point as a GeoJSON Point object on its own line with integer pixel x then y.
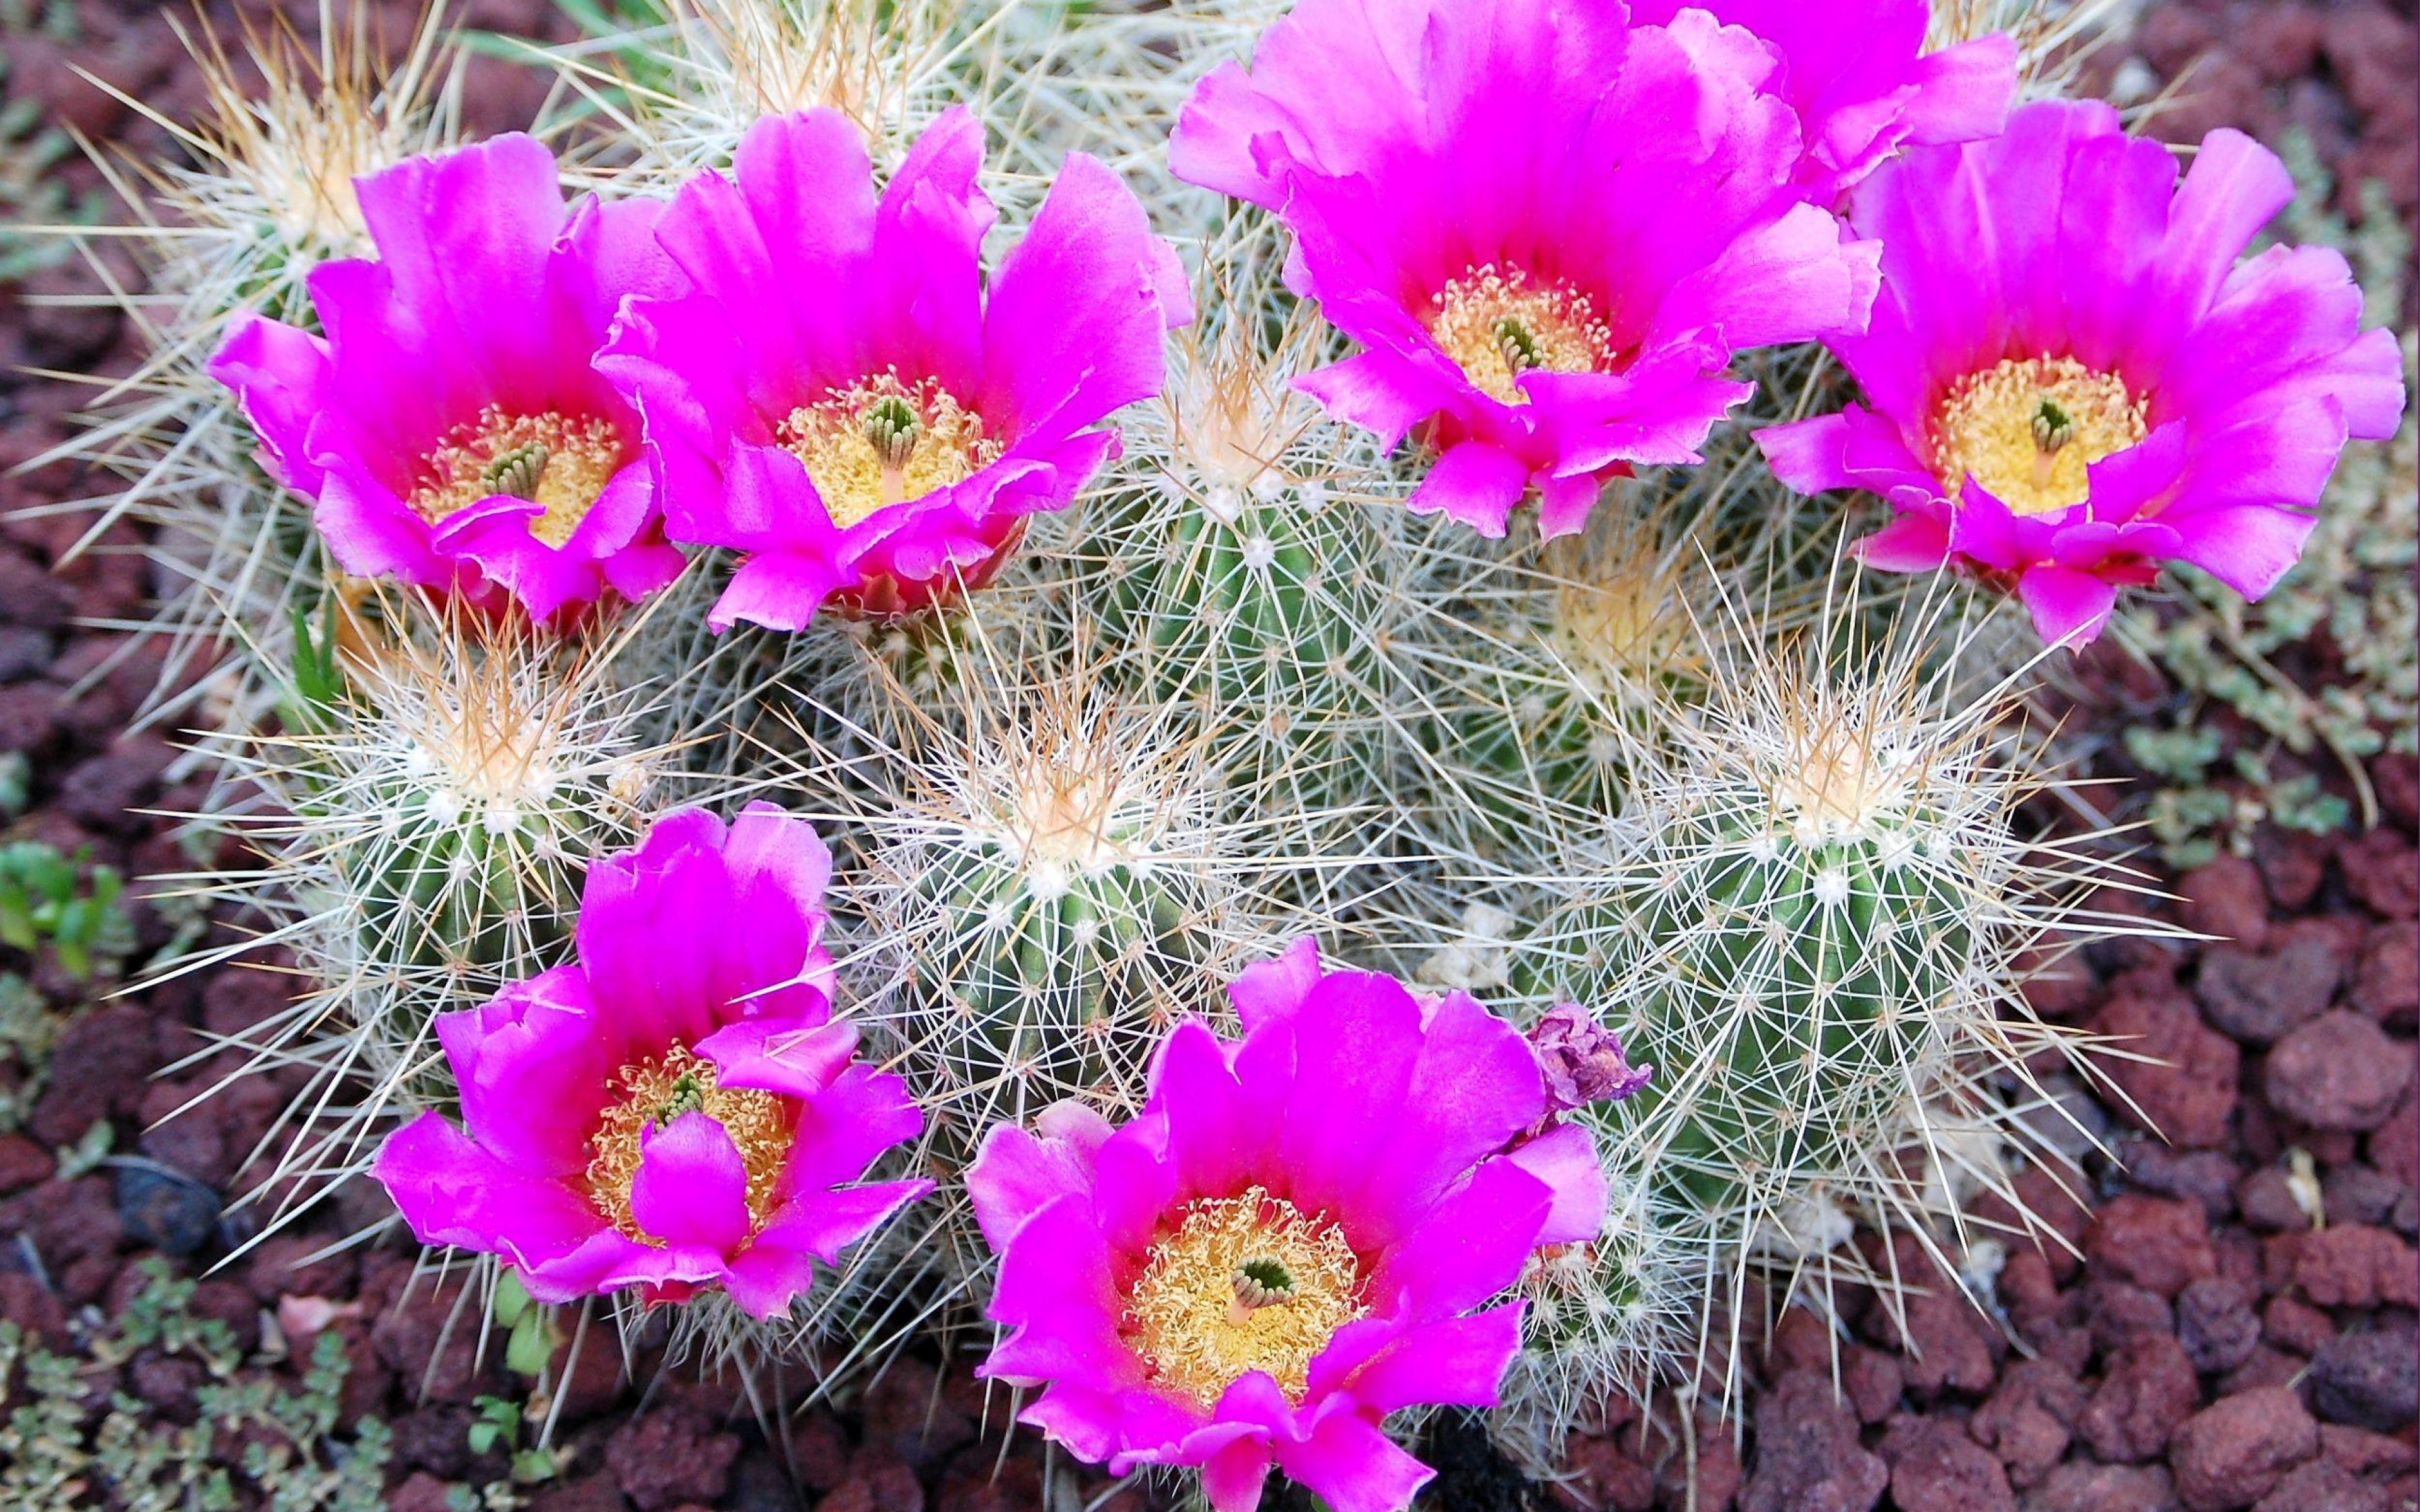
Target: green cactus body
{"type": "Point", "coordinates": [1803, 980]}
{"type": "Point", "coordinates": [1034, 994]}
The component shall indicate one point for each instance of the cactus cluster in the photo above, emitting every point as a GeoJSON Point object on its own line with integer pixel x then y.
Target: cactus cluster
{"type": "Point", "coordinates": [1669, 755]}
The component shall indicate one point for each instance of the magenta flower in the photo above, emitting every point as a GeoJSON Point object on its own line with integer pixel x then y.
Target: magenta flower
{"type": "Point", "coordinates": [1286, 1244]}
{"type": "Point", "coordinates": [1857, 74]}
{"type": "Point", "coordinates": [677, 1110]}
{"type": "Point", "coordinates": [1550, 228]}
{"type": "Point", "coordinates": [449, 429]}
{"type": "Point", "coordinates": [836, 397]}
{"type": "Point", "coordinates": [2070, 378]}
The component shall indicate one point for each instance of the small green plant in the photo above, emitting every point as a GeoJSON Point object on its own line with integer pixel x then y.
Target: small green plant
{"type": "Point", "coordinates": [29, 1029]}
{"type": "Point", "coordinates": [46, 898]}
{"type": "Point", "coordinates": [254, 1441]}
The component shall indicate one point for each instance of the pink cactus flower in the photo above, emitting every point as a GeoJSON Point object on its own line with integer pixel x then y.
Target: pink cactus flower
{"type": "Point", "coordinates": [448, 428]}
{"type": "Point", "coordinates": [2070, 378]}
{"type": "Point", "coordinates": [1857, 74]}
{"type": "Point", "coordinates": [1288, 1242]}
{"type": "Point", "coordinates": [1549, 228]}
{"type": "Point", "coordinates": [678, 1110]}
{"type": "Point", "coordinates": [837, 397]}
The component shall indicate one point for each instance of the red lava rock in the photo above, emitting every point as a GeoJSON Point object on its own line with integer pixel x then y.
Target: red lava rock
{"type": "Point", "coordinates": [420, 1492]}
{"type": "Point", "coordinates": [589, 1493]}
{"type": "Point", "coordinates": [2380, 869]}
{"type": "Point", "coordinates": [2216, 1325]}
{"type": "Point", "coordinates": [2186, 1088]}
{"type": "Point", "coordinates": [2261, 999]}
{"type": "Point", "coordinates": [2080, 1487]}
{"type": "Point", "coordinates": [100, 1068]}
{"type": "Point", "coordinates": [2338, 1071]}
{"type": "Point", "coordinates": [2394, 1144]}
{"type": "Point", "coordinates": [2158, 1243]}
{"type": "Point", "coordinates": [434, 1360]}
{"type": "Point", "coordinates": [23, 1164]}
{"type": "Point", "coordinates": [670, 1454]}
{"type": "Point", "coordinates": [1807, 1458]}
{"type": "Point", "coordinates": [2206, 1176]}
{"type": "Point", "coordinates": [2233, 1453]}
{"type": "Point", "coordinates": [1934, 1467]}
{"type": "Point", "coordinates": [909, 1415]}
{"type": "Point", "coordinates": [1605, 1479]}
{"type": "Point", "coordinates": [2225, 901]}
{"type": "Point", "coordinates": [2116, 1311]}
{"type": "Point", "coordinates": [2295, 1325]}
{"type": "Point", "coordinates": [1712, 1483]}
{"type": "Point", "coordinates": [2357, 1193]}
{"type": "Point", "coordinates": [2151, 1388]}
{"type": "Point", "coordinates": [30, 597]}
{"type": "Point", "coordinates": [2027, 1420]}
{"type": "Point", "coordinates": [29, 716]}
{"type": "Point", "coordinates": [2368, 1380]}
{"type": "Point", "coordinates": [101, 793]}
{"type": "Point", "coordinates": [2387, 985]}
{"type": "Point", "coordinates": [2266, 1198]}
{"type": "Point", "coordinates": [2354, 1265]}
{"type": "Point", "coordinates": [1872, 1382]}
{"type": "Point", "coordinates": [818, 1451]}
{"type": "Point", "coordinates": [877, 1483]}
{"type": "Point", "coordinates": [2320, 1486]}
{"type": "Point", "coordinates": [2362, 1452]}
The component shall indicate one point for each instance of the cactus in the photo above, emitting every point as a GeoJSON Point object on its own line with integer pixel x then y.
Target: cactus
{"type": "Point", "coordinates": [1813, 916]}
{"type": "Point", "coordinates": [425, 821]}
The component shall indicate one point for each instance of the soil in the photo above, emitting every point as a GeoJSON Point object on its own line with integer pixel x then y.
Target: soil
{"type": "Point", "coordinates": [2225, 1319]}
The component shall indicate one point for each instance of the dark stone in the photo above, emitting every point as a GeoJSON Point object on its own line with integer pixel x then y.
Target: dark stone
{"type": "Point", "coordinates": [2368, 1380]}
{"type": "Point", "coordinates": [164, 1209]}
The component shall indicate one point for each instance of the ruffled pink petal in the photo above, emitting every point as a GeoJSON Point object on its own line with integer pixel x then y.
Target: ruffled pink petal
{"type": "Point", "coordinates": [691, 1187]}
{"type": "Point", "coordinates": [1077, 314]}
{"type": "Point", "coordinates": [1475, 484]}
{"type": "Point", "coordinates": [1912, 543]}
{"type": "Point", "coordinates": [1275, 989]}
{"type": "Point", "coordinates": [841, 1130]}
{"type": "Point", "coordinates": [531, 1068]}
{"type": "Point", "coordinates": [704, 926]}
{"type": "Point", "coordinates": [1455, 1361]}
{"type": "Point", "coordinates": [453, 1191]}
{"type": "Point", "coordinates": [1467, 1247]}
{"type": "Point", "coordinates": [281, 376]}
{"type": "Point", "coordinates": [1564, 1157]}
{"type": "Point", "coordinates": [1057, 1294]}
{"type": "Point", "coordinates": [1016, 1175]}
{"type": "Point", "coordinates": [1353, 1466]}
{"type": "Point", "coordinates": [2068, 607]}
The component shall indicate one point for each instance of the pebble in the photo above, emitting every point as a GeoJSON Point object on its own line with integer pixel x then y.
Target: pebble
{"type": "Point", "coordinates": [1807, 1458]}
{"type": "Point", "coordinates": [2233, 1453]}
{"type": "Point", "coordinates": [2337, 1071]}
{"type": "Point", "coordinates": [2370, 1379]}
{"type": "Point", "coordinates": [2184, 1089]}
{"type": "Point", "coordinates": [2260, 998]}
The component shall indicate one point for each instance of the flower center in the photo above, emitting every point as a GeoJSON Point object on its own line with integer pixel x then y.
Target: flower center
{"type": "Point", "coordinates": [549, 458]}
{"type": "Point", "coordinates": [2029, 427]}
{"type": "Point", "coordinates": [1498, 324]}
{"type": "Point", "coordinates": [652, 1093]}
{"type": "Point", "coordinates": [1242, 1284]}
{"type": "Point", "coordinates": [879, 442]}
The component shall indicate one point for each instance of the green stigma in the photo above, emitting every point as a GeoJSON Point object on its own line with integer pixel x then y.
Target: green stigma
{"type": "Point", "coordinates": [2054, 427]}
{"type": "Point", "coordinates": [1262, 1282]}
{"type": "Point", "coordinates": [516, 471]}
{"type": "Point", "coordinates": [1518, 343]}
{"type": "Point", "coordinates": [892, 427]}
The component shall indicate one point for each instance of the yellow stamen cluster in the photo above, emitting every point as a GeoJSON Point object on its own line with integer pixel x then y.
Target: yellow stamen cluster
{"type": "Point", "coordinates": [2027, 428]}
{"type": "Point", "coordinates": [1242, 1284]}
{"type": "Point", "coordinates": [651, 1094]}
{"type": "Point", "coordinates": [553, 459]}
{"type": "Point", "coordinates": [880, 442]}
{"type": "Point", "coordinates": [1498, 323]}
